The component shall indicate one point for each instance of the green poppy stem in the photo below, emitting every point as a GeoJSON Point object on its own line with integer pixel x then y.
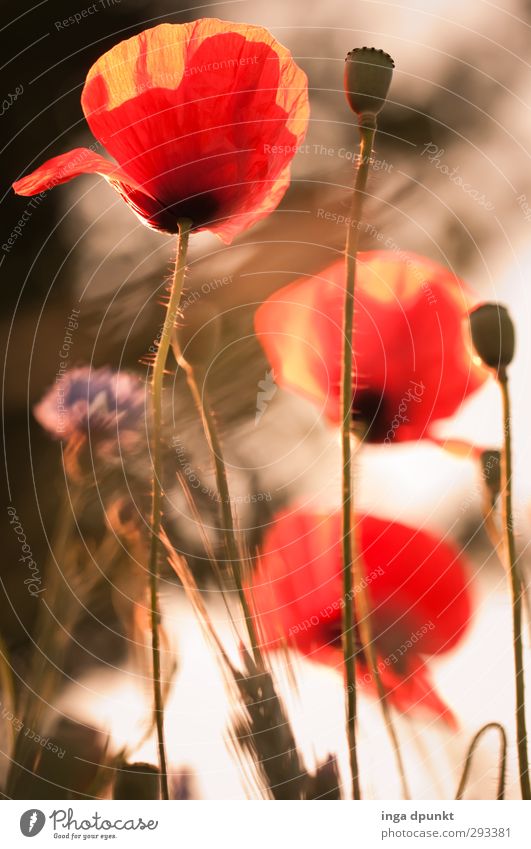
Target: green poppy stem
{"type": "Point", "coordinates": [367, 137]}
{"type": "Point", "coordinates": [157, 385]}
{"type": "Point", "coordinates": [516, 590]}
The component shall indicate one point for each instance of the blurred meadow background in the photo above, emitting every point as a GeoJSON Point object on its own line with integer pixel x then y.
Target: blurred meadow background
{"type": "Point", "coordinates": [460, 98]}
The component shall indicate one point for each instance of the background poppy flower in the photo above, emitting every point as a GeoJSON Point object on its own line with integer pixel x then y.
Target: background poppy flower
{"type": "Point", "coordinates": [412, 363]}
{"type": "Point", "coordinates": [417, 586]}
{"type": "Point", "coordinates": [203, 120]}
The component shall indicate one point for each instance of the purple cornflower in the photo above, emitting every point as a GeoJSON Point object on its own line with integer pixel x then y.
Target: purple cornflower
{"type": "Point", "coordinates": [102, 406]}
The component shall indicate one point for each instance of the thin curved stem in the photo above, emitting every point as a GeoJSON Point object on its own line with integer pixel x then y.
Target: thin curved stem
{"type": "Point", "coordinates": [229, 531]}
{"type": "Point", "coordinates": [351, 249]}
{"type": "Point", "coordinates": [516, 591]}
{"type": "Point", "coordinates": [500, 793]}
{"type": "Point", "coordinates": [157, 384]}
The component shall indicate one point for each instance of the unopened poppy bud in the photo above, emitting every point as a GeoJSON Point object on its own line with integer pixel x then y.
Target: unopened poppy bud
{"type": "Point", "coordinates": [493, 337]}
{"type": "Point", "coordinates": [368, 74]}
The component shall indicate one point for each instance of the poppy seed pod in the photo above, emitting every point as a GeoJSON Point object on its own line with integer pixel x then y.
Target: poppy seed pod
{"type": "Point", "coordinates": [493, 336]}
{"type": "Point", "coordinates": [368, 74]}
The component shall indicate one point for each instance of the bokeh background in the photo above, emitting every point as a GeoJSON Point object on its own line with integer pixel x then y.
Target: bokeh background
{"type": "Point", "coordinates": [460, 98]}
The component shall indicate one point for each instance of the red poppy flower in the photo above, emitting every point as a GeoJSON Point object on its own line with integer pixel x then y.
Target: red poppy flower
{"type": "Point", "coordinates": [203, 120]}
{"type": "Point", "coordinates": [412, 361]}
{"type": "Point", "coordinates": [416, 583]}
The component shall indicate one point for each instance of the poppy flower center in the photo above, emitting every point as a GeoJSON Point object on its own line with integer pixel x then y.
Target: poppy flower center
{"type": "Point", "coordinates": [370, 410]}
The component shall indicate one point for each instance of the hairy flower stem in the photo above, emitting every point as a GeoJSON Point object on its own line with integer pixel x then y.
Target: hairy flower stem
{"type": "Point", "coordinates": [516, 590]}
{"type": "Point", "coordinates": [157, 384]}
{"type": "Point", "coordinates": [229, 531]}
{"type": "Point", "coordinates": [367, 131]}
{"type": "Point", "coordinates": [500, 792]}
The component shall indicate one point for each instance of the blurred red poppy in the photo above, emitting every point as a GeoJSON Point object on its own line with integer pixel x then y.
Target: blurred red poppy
{"type": "Point", "coordinates": [412, 362]}
{"type": "Point", "coordinates": [203, 119]}
{"type": "Point", "coordinates": [417, 586]}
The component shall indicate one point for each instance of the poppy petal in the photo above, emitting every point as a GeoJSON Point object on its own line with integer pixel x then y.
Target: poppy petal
{"type": "Point", "coordinates": [159, 58]}
{"type": "Point", "coordinates": [412, 363]}
{"type": "Point", "coordinates": [66, 166]}
{"type": "Point", "coordinates": [203, 119]}
{"type": "Point", "coordinates": [299, 328]}
{"type": "Point", "coordinates": [250, 213]}
{"type": "Point", "coordinates": [416, 583]}
{"type": "Point", "coordinates": [207, 116]}
{"type": "Point", "coordinates": [414, 690]}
